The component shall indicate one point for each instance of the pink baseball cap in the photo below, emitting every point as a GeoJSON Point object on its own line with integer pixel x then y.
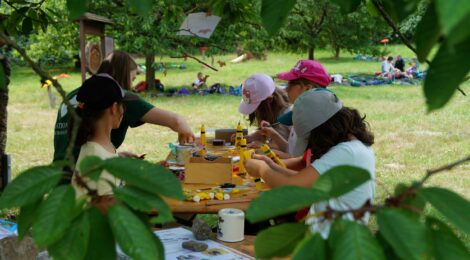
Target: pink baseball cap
{"type": "Point", "coordinates": [255, 89]}
{"type": "Point", "coordinates": [308, 69]}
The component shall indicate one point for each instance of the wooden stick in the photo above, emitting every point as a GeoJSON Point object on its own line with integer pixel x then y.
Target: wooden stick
{"type": "Point", "coordinates": [230, 201]}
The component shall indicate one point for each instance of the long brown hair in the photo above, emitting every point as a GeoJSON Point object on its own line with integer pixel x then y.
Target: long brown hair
{"type": "Point", "coordinates": [271, 108]}
{"type": "Point", "coordinates": [119, 65]}
{"type": "Point", "coordinates": [338, 129]}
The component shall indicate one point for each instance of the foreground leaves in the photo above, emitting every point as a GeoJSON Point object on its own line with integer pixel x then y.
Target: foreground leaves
{"type": "Point", "coordinates": [146, 176]}
{"type": "Point", "coordinates": [75, 242]}
{"type": "Point", "coordinates": [427, 32]}
{"type": "Point", "coordinates": [405, 234]}
{"type": "Point", "coordinates": [101, 245]}
{"type": "Point", "coordinates": [26, 217]}
{"type": "Point", "coordinates": [340, 180]}
{"type": "Point", "coordinates": [280, 201]}
{"type": "Point", "coordinates": [351, 240]}
{"type": "Point", "coordinates": [312, 247]}
{"type": "Point", "coordinates": [274, 13]}
{"type": "Point", "coordinates": [455, 208]}
{"type": "Point", "coordinates": [54, 216]}
{"type": "Point", "coordinates": [132, 235]}
{"type": "Point", "coordinates": [30, 186]}
{"type": "Point", "coordinates": [444, 243]}
{"type": "Point", "coordinates": [279, 240]}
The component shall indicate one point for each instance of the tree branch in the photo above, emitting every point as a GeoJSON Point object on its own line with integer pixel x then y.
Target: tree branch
{"type": "Point", "coordinates": [185, 55]}
{"type": "Point", "coordinates": [44, 75]}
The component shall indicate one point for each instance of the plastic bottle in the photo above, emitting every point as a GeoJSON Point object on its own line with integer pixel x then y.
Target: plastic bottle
{"type": "Point", "coordinates": [241, 168]}
{"type": "Point", "coordinates": [268, 152]}
{"type": "Point", "coordinates": [238, 136]}
{"type": "Point", "coordinates": [203, 135]}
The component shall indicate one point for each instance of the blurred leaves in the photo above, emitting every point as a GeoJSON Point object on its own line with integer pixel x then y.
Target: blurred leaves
{"type": "Point", "coordinates": [279, 240]}
{"type": "Point", "coordinates": [274, 13]}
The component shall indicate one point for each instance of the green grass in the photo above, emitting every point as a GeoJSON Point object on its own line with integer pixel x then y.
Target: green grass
{"type": "Point", "coordinates": [408, 140]}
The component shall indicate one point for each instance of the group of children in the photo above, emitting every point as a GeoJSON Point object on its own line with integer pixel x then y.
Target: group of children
{"type": "Point", "coordinates": [397, 70]}
{"type": "Point", "coordinates": [306, 123]}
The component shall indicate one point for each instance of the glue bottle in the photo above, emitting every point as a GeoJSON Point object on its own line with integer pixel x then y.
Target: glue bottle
{"type": "Point", "coordinates": [203, 135]}
{"type": "Point", "coordinates": [242, 156]}
{"type": "Point", "coordinates": [238, 136]}
{"type": "Point", "coordinates": [268, 152]}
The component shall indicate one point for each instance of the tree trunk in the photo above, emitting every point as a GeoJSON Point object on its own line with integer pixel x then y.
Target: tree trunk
{"type": "Point", "coordinates": [311, 53]}
{"type": "Point", "coordinates": [4, 65]}
{"type": "Point", "coordinates": [150, 71]}
{"type": "Point", "coordinates": [337, 50]}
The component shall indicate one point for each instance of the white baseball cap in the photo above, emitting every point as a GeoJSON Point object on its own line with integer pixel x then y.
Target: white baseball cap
{"type": "Point", "coordinates": [255, 89]}
{"type": "Point", "coordinates": [311, 109]}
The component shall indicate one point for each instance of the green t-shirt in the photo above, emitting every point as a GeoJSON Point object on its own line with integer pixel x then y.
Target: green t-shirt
{"type": "Point", "coordinates": [134, 110]}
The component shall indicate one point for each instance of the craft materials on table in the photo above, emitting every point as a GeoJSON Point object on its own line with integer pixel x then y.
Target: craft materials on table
{"type": "Point", "coordinates": [173, 239]}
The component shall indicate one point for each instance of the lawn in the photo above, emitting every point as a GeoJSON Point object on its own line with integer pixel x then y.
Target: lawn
{"type": "Point", "coordinates": [408, 140]}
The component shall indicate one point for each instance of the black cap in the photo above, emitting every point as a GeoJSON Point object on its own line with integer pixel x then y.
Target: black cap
{"type": "Point", "coordinates": [99, 92]}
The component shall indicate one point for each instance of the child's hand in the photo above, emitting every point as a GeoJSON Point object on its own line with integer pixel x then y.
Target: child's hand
{"type": "Point", "coordinates": [264, 158]}
{"type": "Point", "coordinates": [255, 167]}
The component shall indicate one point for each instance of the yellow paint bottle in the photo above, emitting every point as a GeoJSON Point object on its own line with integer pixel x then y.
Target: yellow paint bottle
{"type": "Point", "coordinates": [238, 136]}
{"type": "Point", "coordinates": [203, 135]}
{"type": "Point", "coordinates": [268, 152]}
{"type": "Point", "coordinates": [242, 156]}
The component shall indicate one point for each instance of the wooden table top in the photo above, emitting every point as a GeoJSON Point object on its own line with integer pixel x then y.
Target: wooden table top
{"type": "Point", "coordinates": [239, 200]}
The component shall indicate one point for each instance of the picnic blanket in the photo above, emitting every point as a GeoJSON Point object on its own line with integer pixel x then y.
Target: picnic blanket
{"type": "Point", "coordinates": [371, 80]}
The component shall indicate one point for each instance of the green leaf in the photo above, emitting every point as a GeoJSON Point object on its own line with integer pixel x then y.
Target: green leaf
{"type": "Point", "coordinates": [282, 200]}
{"type": "Point", "coordinates": [76, 8]}
{"type": "Point", "coordinates": [101, 245]}
{"type": "Point", "coordinates": [444, 242]}
{"type": "Point", "coordinates": [386, 247]}
{"type": "Point", "coordinates": [28, 214]}
{"type": "Point", "coordinates": [279, 240]}
{"type": "Point", "coordinates": [27, 26]}
{"type": "Point", "coordinates": [351, 240]}
{"type": "Point", "coordinates": [340, 180]}
{"type": "Point", "coordinates": [73, 245]}
{"type": "Point", "coordinates": [30, 186]}
{"type": "Point", "coordinates": [347, 6]}
{"type": "Point", "coordinates": [427, 32]}
{"type": "Point", "coordinates": [145, 201]}
{"type": "Point", "coordinates": [455, 208]}
{"type": "Point", "coordinates": [453, 17]}
{"type": "Point", "coordinates": [146, 176]}
{"type": "Point", "coordinates": [142, 7]}
{"type": "Point", "coordinates": [91, 166]}
{"type": "Point", "coordinates": [312, 247]}
{"type": "Point", "coordinates": [371, 8]}
{"type": "Point", "coordinates": [132, 235]}
{"type": "Point", "coordinates": [274, 14]}
{"type": "Point", "coordinates": [403, 232]}
{"type": "Point", "coordinates": [54, 216]}
{"type": "Point", "coordinates": [446, 72]}
{"type": "Point", "coordinates": [400, 9]}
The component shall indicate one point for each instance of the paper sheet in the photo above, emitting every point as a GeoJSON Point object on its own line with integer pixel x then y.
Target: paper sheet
{"type": "Point", "coordinates": [199, 24]}
{"type": "Point", "coordinates": [173, 238]}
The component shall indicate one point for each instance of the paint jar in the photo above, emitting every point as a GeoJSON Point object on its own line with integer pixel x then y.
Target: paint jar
{"type": "Point", "coordinates": [231, 226]}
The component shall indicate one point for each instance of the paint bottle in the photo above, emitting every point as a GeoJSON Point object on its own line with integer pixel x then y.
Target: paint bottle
{"type": "Point", "coordinates": [242, 169]}
{"type": "Point", "coordinates": [238, 136]}
{"type": "Point", "coordinates": [203, 135]}
{"type": "Point", "coordinates": [258, 184]}
{"type": "Point", "coordinates": [268, 152]}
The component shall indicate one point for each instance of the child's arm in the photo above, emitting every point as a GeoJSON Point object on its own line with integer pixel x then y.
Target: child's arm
{"type": "Point", "coordinates": [172, 120]}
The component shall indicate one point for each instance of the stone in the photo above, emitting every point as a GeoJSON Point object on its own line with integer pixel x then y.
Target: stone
{"type": "Point", "coordinates": [194, 246]}
{"type": "Point", "coordinates": [13, 249]}
{"type": "Point", "coordinates": [201, 230]}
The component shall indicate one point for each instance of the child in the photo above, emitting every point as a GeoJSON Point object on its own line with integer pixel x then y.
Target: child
{"type": "Point", "coordinates": [200, 81]}
{"type": "Point", "coordinates": [336, 135]}
{"type": "Point", "coordinates": [263, 103]}
{"type": "Point", "coordinates": [304, 76]}
{"type": "Point", "coordinates": [120, 66]}
{"type": "Point", "coordinates": [100, 106]}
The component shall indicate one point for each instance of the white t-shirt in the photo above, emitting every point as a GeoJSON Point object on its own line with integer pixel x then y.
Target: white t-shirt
{"type": "Point", "coordinates": [291, 141]}
{"type": "Point", "coordinates": [103, 188]}
{"type": "Point", "coordinates": [353, 153]}
{"type": "Point", "coordinates": [387, 67]}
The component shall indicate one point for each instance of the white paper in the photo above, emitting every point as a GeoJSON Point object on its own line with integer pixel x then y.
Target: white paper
{"type": "Point", "coordinates": [199, 24]}
{"type": "Point", "coordinates": [173, 238]}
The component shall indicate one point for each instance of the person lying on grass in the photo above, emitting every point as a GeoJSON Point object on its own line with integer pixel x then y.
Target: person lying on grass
{"type": "Point", "coordinates": [335, 135]}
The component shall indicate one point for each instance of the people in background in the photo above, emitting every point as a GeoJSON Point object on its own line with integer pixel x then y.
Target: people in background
{"type": "Point", "coordinates": [200, 81]}
{"type": "Point", "coordinates": [336, 135]}
{"type": "Point", "coordinates": [400, 63]}
{"type": "Point", "coordinates": [122, 67]}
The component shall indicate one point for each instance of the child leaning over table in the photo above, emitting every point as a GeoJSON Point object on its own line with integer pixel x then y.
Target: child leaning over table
{"type": "Point", "coordinates": [336, 135]}
{"type": "Point", "coordinates": [100, 106]}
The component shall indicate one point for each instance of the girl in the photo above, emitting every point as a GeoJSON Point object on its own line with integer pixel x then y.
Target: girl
{"type": "Point", "coordinates": [100, 106]}
{"type": "Point", "coordinates": [336, 135]}
{"type": "Point", "coordinates": [123, 69]}
{"type": "Point", "coordinates": [304, 76]}
{"type": "Point", "coordinates": [263, 103]}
